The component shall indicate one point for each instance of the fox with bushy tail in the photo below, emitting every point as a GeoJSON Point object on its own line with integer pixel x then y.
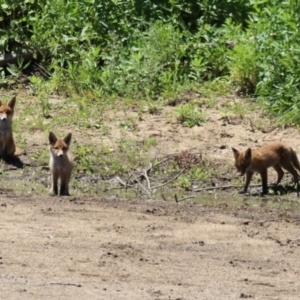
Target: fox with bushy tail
{"type": "Point", "coordinates": [277, 155]}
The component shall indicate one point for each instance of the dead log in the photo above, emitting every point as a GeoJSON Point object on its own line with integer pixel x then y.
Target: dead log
{"type": "Point", "coordinates": [13, 58]}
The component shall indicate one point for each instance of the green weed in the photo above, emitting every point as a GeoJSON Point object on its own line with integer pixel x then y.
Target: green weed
{"type": "Point", "coordinates": [149, 51]}
{"type": "Point", "coordinates": [184, 182]}
{"type": "Point", "coordinates": [189, 115]}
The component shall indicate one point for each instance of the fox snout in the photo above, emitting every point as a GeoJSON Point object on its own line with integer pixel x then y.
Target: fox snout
{"type": "Point", "coordinates": [240, 172]}
{"type": "Point", "coordinates": [3, 118]}
{"type": "Point", "coordinates": [60, 153]}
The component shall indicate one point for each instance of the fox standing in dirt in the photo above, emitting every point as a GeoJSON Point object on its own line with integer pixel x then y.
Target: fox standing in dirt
{"type": "Point", "coordinates": [7, 144]}
{"type": "Point", "coordinates": [277, 155]}
{"type": "Point", "coordinates": [61, 164]}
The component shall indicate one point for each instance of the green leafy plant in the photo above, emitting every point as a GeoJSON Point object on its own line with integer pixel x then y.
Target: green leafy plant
{"type": "Point", "coordinates": [189, 115]}
{"type": "Point", "coordinates": [184, 182]}
{"type": "Point", "coordinates": [243, 66]}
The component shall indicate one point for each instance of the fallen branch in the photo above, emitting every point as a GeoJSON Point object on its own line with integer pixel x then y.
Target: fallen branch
{"type": "Point", "coordinates": [222, 187]}
{"type": "Point", "coordinates": [121, 181]}
{"type": "Point", "coordinates": [111, 189]}
{"type": "Point", "coordinates": [166, 183]}
{"type": "Point", "coordinates": [61, 283]}
{"type": "Point", "coordinates": [147, 171]}
{"type": "Point", "coordinates": [12, 58]}
{"type": "Point", "coordinates": [163, 161]}
{"type": "Point", "coordinates": [143, 188]}
{"type": "Point", "coordinates": [148, 181]}
{"type": "Point", "coordinates": [182, 199]}
{"type": "Point", "coordinates": [127, 181]}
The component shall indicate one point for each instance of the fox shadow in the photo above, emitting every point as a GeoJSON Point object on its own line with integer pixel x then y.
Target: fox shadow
{"type": "Point", "coordinates": [277, 190]}
{"type": "Point", "coordinates": [283, 189]}
{"type": "Point", "coordinates": [14, 161]}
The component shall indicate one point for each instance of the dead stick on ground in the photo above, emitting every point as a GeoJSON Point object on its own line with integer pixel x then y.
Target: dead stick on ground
{"type": "Point", "coordinates": [61, 283]}
{"type": "Point", "coordinates": [142, 187]}
{"type": "Point", "coordinates": [182, 199]}
{"type": "Point", "coordinates": [146, 172]}
{"type": "Point", "coordinates": [127, 181]}
{"type": "Point", "coordinates": [149, 168]}
{"type": "Point", "coordinates": [222, 187]}
{"type": "Point", "coordinates": [163, 161]}
{"type": "Point", "coordinates": [166, 183]}
{"type": "Point", "coordinates": [121, 181]}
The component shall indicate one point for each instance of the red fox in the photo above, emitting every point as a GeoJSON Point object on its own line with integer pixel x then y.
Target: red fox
{"type": "Point", "coordinates": [277, 155]}
{"type": "Point", "coordinates": [7, 144]}
{"type": "Point", "coordinates": [61, 164]}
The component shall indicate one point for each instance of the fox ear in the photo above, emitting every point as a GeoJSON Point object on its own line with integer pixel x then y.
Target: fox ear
{"type": "Point", "coordinates": [235, 153]}
{"type": "Point", "coordinates": [52, 138]}
{"type": "Point", "coordinates": [248, 154]}
{"type": "Point", "coordinates": [68, 138]}
{"type": "Point", "coordinates": [12, 102]}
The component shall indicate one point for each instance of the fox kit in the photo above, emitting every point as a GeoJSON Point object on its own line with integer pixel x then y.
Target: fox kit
{"type": "Point", "coordinates": [277, 155]}
{"type": "Point", "coordinates": [61, 164]}
{"type": "Point", "coordinates": [7, 145]}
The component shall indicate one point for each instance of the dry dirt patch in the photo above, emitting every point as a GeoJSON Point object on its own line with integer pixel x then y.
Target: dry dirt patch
{"type": "Point", "coordinates": [79, 248]}
{"type": "Point", "coordinates": [96, 248]}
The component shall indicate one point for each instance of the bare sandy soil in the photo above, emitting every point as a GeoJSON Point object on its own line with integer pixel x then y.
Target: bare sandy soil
{"type": "Point", "coordinates": [104, 247]}
{"type": "Point", "coordinates": [93, 248]}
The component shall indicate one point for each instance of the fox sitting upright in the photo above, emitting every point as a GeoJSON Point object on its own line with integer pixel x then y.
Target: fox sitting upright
{"type": "Point", "coordinates": [7, 144]}
{"type": "Point", "coordinates": [277, 155]}
{"type": "Point", "coordinates": [61, 164]}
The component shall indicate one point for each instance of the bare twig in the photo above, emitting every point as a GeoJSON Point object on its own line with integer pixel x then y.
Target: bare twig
{"type": "Point", "coordinates": [121, 181]}
{"type": "Point", "coordinates": [176, 198]}
{"type": "Point", "coordinates": [163, 161]}
{"type": "Point", "coordinates": [61, 283]}
{"type": "Point", "coordinates": [252, 126]}
{"type": "Point", "coordinates": [110, 189]}
{"type": "Point", "coordinates": [146, 173]}
{"type": "Point", "coordinates": [127, 181]}
{"type": "Point", "coordinates": [166, 183]}
{"type": "Point", "coordinates": [182, 199]}
{"type": "Point", "coordinates": [163, 197]}
{"type": "Point", "coordinates": [142, 187]}
{"type": "Point", "coordinates": [148, 181]}
{"type": "Point", "coordinates": [148, 169]}
{"type": "Point", "coordinates": [222, 187]}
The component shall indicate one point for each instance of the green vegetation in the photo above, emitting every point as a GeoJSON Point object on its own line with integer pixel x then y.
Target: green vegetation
{"type": "Point", "coordinates": [112, 56]}
{"type": "Point", "coordinates": [151, 49]}
{"type": "Point", "coordinates": [189, 115]}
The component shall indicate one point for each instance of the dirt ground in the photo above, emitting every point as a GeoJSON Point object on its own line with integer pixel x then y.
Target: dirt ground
{"type": "Point", "coordinates": [93, 248]}
{"type": "Point", "coordinates": [106, 247]}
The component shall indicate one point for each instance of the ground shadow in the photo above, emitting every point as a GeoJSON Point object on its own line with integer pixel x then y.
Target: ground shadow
{"type": "Point", "coordinates": [284, 189]}
{"type": "Point", "coordinates": [278, 190]}
{"type": "Point", "coordinates": [14, 161]}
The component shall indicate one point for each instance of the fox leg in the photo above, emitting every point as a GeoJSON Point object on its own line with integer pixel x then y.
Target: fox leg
{"type": "Point", "coordinates": [64, 187]}
{"type": "Point", "coordinates": [8, 151]}
{"type": "Point", "coordinates": [54, 184]}
{"type": "Point", "coordinates": [10, 148]}
{"type": "Point", "coordinates": [249, 175]}
{"type": "Point", "coordinates": [264, 179]}
{"type": "Point", "coordinates": [290, 168]}
{"type": "Point", "coordinates": [279, 172]}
